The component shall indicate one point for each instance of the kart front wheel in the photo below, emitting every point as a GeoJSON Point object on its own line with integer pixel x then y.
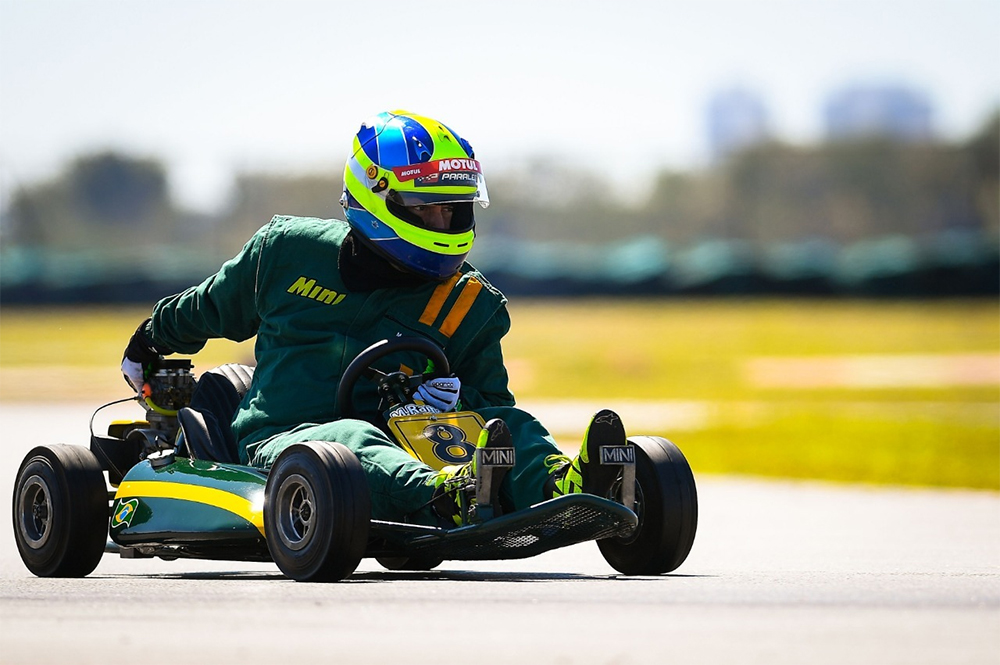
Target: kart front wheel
{"type": "Point", "coordinates": [666, 503]}
{"type": "Point", "coordinates": [60, 511]}
{"type": "Point", "coordinates": [317, 512]}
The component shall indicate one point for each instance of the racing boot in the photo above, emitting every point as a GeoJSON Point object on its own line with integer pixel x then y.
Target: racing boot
{"type": "Point", "coordinates": [470, 493]}
{"type": "Point", "coordinates": [592, 471]}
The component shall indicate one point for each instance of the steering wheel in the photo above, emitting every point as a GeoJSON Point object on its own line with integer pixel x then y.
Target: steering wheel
{"type": "Point", "coordinates": [362, 366]}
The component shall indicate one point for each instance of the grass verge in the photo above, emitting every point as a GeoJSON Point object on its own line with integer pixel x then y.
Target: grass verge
{"type": "Point", "coordinates": [944, 433]}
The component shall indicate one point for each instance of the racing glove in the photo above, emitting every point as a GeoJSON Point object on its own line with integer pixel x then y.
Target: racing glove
{"type": "Point", "coordinates": [441, 393]}
{"type": "Point", "coordinates": [141, 356]}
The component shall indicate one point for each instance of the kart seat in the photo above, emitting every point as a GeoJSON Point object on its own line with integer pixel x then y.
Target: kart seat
{"type": "Point", "coordinates": [207, 422]}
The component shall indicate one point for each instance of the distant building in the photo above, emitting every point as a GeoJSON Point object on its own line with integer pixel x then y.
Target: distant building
{"type": "Point", "coordinates": [878, 110]}
{"type": "Point", "coordinates": [737, 119]}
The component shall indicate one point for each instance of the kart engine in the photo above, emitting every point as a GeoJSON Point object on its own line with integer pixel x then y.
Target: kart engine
{"type": "Point", "coordinates": [169, 388]}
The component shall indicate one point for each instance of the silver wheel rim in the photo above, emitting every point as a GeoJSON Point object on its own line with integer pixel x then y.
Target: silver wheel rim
{"type": "Point", "coordinates": [35, 521]}
{"type": "Point", "coordinates": [296, 512]}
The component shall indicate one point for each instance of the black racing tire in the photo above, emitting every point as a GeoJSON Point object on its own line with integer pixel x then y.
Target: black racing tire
{"type": "Point", "coordinates": [417, 562]}
{"type": "Point", "coordinates": [216, 397]}
{"type": "Point", "coordinates": [667, 506]}
{"type": "Point", "coordinates": [220, 390]}
{"type": "Point", "coordinates": [60, 511]}
{"type": "Point", "coordinates": [317, 512]}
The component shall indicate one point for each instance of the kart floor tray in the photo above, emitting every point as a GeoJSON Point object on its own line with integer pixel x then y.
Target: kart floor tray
{"type": "Point", "coordinates": [549, 525]}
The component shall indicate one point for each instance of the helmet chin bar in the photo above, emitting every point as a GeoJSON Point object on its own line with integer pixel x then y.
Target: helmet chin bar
{"type": "Point", "coordinates": [412, 260]}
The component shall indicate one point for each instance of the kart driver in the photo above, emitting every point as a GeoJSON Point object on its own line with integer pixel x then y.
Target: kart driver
{"type": "Point", "coordinates": [316, 292]}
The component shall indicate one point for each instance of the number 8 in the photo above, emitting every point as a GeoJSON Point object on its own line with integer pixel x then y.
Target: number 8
{"type": "Point", "coordinates": [449, 443]}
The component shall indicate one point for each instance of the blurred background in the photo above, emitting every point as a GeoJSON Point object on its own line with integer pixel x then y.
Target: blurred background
{"type": "Point", "coordinates": [786, 214]}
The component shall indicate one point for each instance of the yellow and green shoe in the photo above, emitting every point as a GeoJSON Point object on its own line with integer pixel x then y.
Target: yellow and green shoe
{"type": "Point", "coordinates": [455, 496]}
{"type": "Point", "coordinates": [585, 473]}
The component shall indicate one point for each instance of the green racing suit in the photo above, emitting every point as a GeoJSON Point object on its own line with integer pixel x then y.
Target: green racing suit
{"type": "Point", "coordinates": [286, 287]}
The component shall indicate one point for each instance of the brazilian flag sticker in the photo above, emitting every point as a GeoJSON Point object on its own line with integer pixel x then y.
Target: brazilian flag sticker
{"type": "Point", "coordinates": [124, 512]}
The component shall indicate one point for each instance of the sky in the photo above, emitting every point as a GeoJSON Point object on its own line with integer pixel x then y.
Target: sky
{"type": "Point", "coordinates": [217, 87]}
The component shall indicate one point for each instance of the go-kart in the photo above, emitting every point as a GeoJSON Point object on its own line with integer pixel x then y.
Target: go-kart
{"type": "Point", "coordinates": [177, 490]}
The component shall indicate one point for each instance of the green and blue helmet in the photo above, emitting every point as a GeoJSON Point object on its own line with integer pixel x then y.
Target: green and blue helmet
{"type": "Point", "coordinates": [401, 160]}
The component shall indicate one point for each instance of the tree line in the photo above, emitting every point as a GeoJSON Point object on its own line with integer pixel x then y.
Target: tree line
{"type": "Point", "coordinates": [842, 191]}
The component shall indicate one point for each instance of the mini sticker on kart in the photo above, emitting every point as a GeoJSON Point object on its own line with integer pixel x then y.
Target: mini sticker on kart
{"type": "Point", "coordinates": [617, 455]}
{"type": "Point", "coordinates": [439, 439]}
{"type": "Point", "coordinates": [124, 512]}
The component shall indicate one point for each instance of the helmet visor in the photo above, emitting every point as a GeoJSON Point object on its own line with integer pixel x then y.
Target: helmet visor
{"type": "Point", "coordinates": [446, 217]}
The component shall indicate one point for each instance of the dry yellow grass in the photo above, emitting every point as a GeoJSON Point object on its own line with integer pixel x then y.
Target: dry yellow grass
{"type": "Point", "coordinates": [895, 430]}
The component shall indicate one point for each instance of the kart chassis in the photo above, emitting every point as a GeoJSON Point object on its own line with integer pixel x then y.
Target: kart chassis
{"type": "Point", "coordinates": [310, 512]}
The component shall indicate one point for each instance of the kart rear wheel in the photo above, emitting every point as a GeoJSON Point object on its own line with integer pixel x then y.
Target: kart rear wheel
{"type": "Point", "coordinates": [60, 511]}
{"type": "Point", "coordinates": [317, 512]}
{"type": "Point", "coordinates": [667, 507]}
{"type": "Point", "coordinates": [417, 562]}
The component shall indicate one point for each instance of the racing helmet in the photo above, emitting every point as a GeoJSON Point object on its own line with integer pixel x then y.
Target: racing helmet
{"type": "Point", "coordinates": [401, 161]}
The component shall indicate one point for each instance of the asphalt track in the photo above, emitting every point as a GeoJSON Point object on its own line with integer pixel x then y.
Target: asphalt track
{"type": "Point", "coordinates": [781, 572]}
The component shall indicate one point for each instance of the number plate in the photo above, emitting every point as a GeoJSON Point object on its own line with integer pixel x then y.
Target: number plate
{"type": "Point", "coordinates": [439, 439]}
